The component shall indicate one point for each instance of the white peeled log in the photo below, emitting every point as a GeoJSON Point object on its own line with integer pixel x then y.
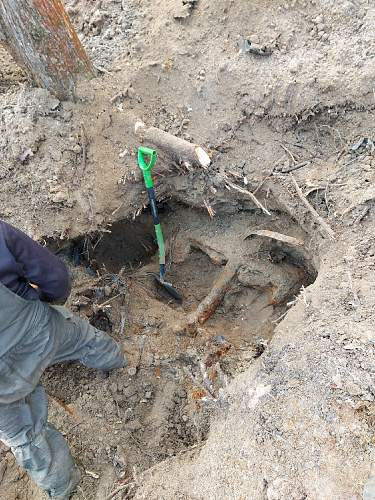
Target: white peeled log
{"type": "Point", "coordinates": [185, 152]}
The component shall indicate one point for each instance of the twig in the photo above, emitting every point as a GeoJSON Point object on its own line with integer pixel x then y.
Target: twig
{"type": "Point", "coordinates": [312, 210]}
{"type": "Point", "coordinates": [117, 209]}
{"type": "Point", "coordinates": [210, 210]}
{"type": "Point", "coordinates": [118, 490]}
{"type": "Point", "coordinates": [275, 321]}
{"type": "Point", "coordinates": [110, 300]}
{"type": "Point", "coordinates": [99, 240]}
{"type": "Point", "coordinates": [289, 153]}
{"type": "Point", "coordinates": [250, 195]}
{"type": "Point", "coordinates": [101, 69]}
{"type": "Point", "coordinates": [313, 189]}
{"type": "Point", "coordinates": [296, 167]}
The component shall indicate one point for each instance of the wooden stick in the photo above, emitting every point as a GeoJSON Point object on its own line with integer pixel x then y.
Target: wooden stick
{"type": "Point", "coordinates": [276, 236]}
{"type": "Point", "coordinates": [250, 195]}
{"type": "Point", "coordinates": [183, 151]}
{"type": "Point", "coordinates": [209, 304]}
{"type": "Point", "coordinates": [289, 153]}
{"type": "Point", "coordinates": [117, 490]}
{"type": "Point", "coordinates": [296, 167]}
{"type": "Point", "coordinates": [312, 210]}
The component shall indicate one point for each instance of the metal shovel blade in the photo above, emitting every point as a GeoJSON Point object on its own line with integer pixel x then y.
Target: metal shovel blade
{"type": "Point", "coordinates": [168, 288]}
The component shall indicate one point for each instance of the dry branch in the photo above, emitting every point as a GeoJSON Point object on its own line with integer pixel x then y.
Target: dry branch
{"type": "Point", "coordinates": [118, 490]}
{"type": "Point", "coordinates": [323, 224]}
{"type": "Point", "coordinates": [210, 303]}
{"type": "Point", "coordinates": [250, 195]}
{"type": "Point", "coordinates": [276, 236]}
{"type": "Point", "coordinates": [183, 151]}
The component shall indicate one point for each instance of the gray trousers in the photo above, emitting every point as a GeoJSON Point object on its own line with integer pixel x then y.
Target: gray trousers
{"type": "Point", "coordinates": [37, 446]}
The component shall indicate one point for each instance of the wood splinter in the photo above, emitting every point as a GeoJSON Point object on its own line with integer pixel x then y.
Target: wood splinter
{"type": "Point", "coordinates": [210, 303]}
{"type": "Point", "coordinates": [183, 151]}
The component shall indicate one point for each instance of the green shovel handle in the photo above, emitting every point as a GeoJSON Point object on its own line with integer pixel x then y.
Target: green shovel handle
{"type": "Point", "coordinates": [145, 166]}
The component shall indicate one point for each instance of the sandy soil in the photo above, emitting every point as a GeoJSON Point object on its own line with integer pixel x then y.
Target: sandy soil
{"type": "Point", "coordinates": [273, 398]}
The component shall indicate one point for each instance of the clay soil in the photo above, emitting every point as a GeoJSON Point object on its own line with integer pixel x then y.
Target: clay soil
{"type": "Point", "coordinates": [273, 396]}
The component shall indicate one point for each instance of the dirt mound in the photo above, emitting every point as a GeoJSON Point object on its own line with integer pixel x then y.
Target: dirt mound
{"type": "Point", "coordinates": [272, 398]}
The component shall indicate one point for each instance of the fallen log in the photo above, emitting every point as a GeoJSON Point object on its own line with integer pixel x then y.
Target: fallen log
{"type": "Point", "coordinates": [184, 152]}
{"type": "Point", "coordinates": [210, 303]}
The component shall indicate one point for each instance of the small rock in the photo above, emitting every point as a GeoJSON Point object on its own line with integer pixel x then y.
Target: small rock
{"type": "Point", "coordinates": [124, 153]}
{"type": "Point", "coordinates": [77, 149]}
{"type": "Point", "coordinates": [148, 395]}
{"type": "Point", "coordinates": [59, 197]}
{"type": "Point", "coordinates": [107, 291]}
{"type": "Point", "coordinates": [26, 153]}
{"type": "Point", "coordinates": [219, 340]}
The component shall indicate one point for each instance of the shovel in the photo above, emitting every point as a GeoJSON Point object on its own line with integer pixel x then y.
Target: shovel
{"type": "Point", "coordinates": [146, 167]}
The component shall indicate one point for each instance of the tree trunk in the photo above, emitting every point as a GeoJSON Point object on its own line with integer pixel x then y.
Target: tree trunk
{"type": "Point", "coordinates": [41, 38]}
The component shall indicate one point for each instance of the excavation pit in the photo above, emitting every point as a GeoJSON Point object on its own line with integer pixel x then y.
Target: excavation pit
{"type": "Point", "coordinates": [269, 253]}
{"type": "Point", "coordinates": [163, 400]}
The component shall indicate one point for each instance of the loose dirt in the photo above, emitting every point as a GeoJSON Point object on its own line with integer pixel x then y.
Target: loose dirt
{"type": "Point", "coordinates": [271, 398]}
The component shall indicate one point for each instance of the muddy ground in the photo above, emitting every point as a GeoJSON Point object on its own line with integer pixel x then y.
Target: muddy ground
{"type": "Point", "coordinates": [273, 397]}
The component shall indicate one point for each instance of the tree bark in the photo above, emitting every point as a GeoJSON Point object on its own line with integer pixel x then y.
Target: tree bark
{"type": "Point", "coordinates": [42, 39]}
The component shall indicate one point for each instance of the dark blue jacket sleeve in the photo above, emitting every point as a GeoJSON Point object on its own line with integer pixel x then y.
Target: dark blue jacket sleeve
{"type": "Point", "coordinates": [39, 266]}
